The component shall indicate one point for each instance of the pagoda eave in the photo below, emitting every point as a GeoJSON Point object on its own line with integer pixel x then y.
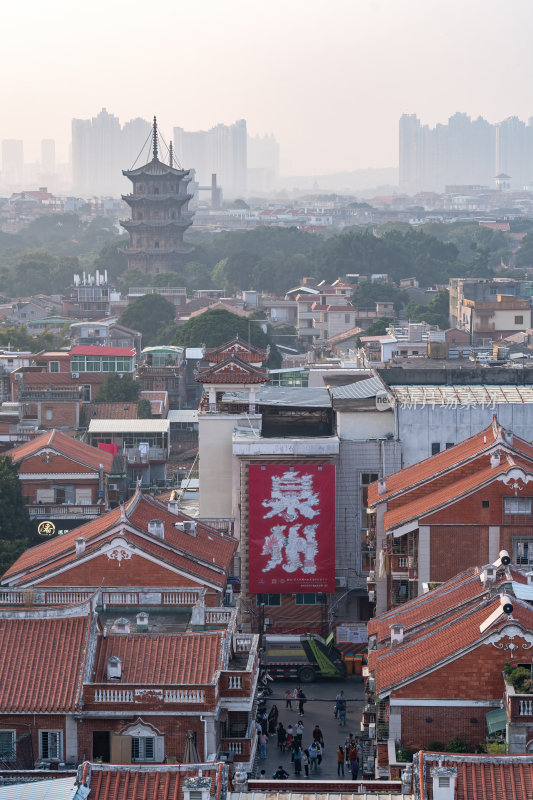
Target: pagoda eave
{"type": "Point", "coordinates": [156, 225]}
{"type": "Point", "coordinates": [139, 199]}
{"type": "Point", "coordinates": [156, 251]}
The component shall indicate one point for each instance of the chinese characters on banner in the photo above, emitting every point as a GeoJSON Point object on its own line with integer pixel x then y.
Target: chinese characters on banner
{"type": "Point", "coordinates": [291, 528]}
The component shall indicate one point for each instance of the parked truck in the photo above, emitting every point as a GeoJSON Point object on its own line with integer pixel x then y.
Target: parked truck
{"type": "Point", "coordinates": [304, 657]}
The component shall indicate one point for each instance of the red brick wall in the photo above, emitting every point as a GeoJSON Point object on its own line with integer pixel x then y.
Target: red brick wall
{"type": "Point", "coordinates": [454, 548]}
{"type": "Point", "coordinates": [477, 675]}
{"type": "Point", "coordinates": [65, 414]}
{"type": "Point", "coordinates": [446, 724]}
{"type": "Point", "coordinates": [29, 488]}
{"type": "Point", "coordinates": [35, 464]}
{"type": "Point", "coordinates": [291, 618]}
{"type": "Point", "coordinates": [136, 571]}
{"type": "Point", "coordinates": [31, 723]}
{"type": "Point", "coordinates": [174, 728]}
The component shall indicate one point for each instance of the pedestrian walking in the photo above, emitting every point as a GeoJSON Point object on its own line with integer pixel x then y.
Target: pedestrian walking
{"type": "Point", "coordinates": [282, 735]}
{"type": "Point", "coordinates": [341, 757]}
{"type": "Point", "coordinates": [263, 739]}
{"type": "Point", "coordinates": [273, 720]}
{"type": "Point", "coordinates": [318, 735]}
{"type": "Point", "coordinates": [264, 722]}
{"type": "Point", "coordinates": [299, 728]}
{"type": "Point", "coordinates": [319, 753]}
{"type": "Point", "coordinates": [280, 774]}
{"type": "Point", "coordinates": [301, 700]}
{"type": "Point", "coordinates": [340, 708]}
{"type": "Point", "coordinates": [305, 762]}
{"type": "Point", "coordinates": [288, 699]}
{"type": "Point", "coordinates": [313, 757]}
{"type": "Point", "coordinates": [297, 759]}
{"type": "Point", "coordinates": [354, 766]}
{"type": "Point", "coordinates": [290, 737]}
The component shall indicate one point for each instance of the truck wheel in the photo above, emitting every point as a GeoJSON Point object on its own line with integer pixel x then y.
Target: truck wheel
{"type": "Point", "coordinates": [306, 675]}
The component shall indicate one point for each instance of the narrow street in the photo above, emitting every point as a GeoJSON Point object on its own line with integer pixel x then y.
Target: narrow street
{"type": "Point", "coordinates": [318, 709]}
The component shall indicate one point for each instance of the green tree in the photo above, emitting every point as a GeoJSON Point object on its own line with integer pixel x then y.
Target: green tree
{"type": "Point", "coordinates": [144, 409]}
{"type": "Point", "coordinates": [149, 314]}
{"type": "Point", "coordinates": [115, 389]}
{"type": "Point", "coordinates": [367, 294]}
{"type": "Point", "coordinates": [379, 327]}
{"type": "Point", "coordinates": [14, 519]}
{"type": "Point", "coordinates": [218, 326]}
{"type": "Point", "coordinates": [437, 311]}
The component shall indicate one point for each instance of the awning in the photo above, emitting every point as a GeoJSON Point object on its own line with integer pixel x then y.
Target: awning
{"type": "Point", "coordinates": [496, 720]}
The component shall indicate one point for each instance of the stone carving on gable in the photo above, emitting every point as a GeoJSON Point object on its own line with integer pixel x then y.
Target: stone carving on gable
{"type": "Point", "coordinates": [510, 632]}
{"type": "Point", "coordinates": [516, 478]}
{"type": "Point", "coordinates": [119, 549]}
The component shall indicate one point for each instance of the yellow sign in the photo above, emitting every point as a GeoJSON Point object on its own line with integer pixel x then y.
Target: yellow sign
{"type": "Point", "coordinates": [46, 528]}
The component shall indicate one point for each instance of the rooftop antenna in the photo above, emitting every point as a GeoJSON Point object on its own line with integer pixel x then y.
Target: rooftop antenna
{"type": "Point", "coordinates": [154, 135]}
{"type": "Point", "coordinates": [170, 155]}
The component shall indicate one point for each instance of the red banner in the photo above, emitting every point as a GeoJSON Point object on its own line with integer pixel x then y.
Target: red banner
{"type": "Point", "coordinates": [291, 523]}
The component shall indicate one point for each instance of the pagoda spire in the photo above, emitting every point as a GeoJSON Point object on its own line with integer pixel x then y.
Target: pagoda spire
{"type": "Point", "coordinates": [170, 156]}
{"type": "Point", "coordinates": [154, 138]}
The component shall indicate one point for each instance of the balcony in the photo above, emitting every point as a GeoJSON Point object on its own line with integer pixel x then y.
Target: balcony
{"type": "Point", "coordinates": [64, 510]}
{"type": "Point", "coordinates": [148, 695]}
{"type": "Point", "coordinates": [135, 456]}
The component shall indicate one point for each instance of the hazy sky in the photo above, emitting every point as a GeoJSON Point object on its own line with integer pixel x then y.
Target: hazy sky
{"type": "Point", "coordinates": [330, 78]}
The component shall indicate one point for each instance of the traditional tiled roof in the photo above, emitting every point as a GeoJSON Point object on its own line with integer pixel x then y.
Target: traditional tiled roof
{"type": "Point", "coordinates": [42, 662]}
{"type": "Point", "coordinates": [479, 777]}
{"type": "Point", "coordinates": [64, 445]}
{"type": "Point", "coordinates": [433, 500]}
{"type": "Point", "coordinates": [205, 557]}
{"type": "Point", "coordinates": [149, 782]}
{"type": "Point", "coordinates": [126, 410]}
{"type": "Point", "coordinates": [443, 642]}
{"type": "Point", "coordinates": [459, 591]}
{"type": "Point", "coordinates": [232, 370]}
{"type": "Point", "coordinates": [236, 346]}
{"type": "Point", "coordinates": [165, 658]}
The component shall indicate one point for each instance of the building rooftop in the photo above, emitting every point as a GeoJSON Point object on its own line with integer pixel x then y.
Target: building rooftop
{"type": "Point", "coordinates": [60, 443]}
{"type": "Point", "coordinates": [129, 426]}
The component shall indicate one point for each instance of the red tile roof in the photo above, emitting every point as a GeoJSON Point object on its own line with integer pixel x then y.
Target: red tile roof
{"type": "Point", "coordinates": [42, 662]}
{"type": "Point", "coordinates": [446, 460]}
{"type": "Point", "coordinates": [164, 658]}
{"type": "Point", "coordinates": [239, 347]}
{"type": "Point", "coordinates": [64, 445]}
{"type": "Point", "coordinates": [232, 370]}
{"type": "Point", "coordinates": [433, 500]}
{"type": "Point", "coordinates": [148, 782]}
{"type": "Point", "coordinates": [443, 641]}
{"type": "Point", "coordinates": [95, 350]}
{"type": "Point", "coordinates": [127, 410]}
{"type": "Point", "coordinates": [206, 557]}
{"type": "Point", "coordinates": [484, 776]}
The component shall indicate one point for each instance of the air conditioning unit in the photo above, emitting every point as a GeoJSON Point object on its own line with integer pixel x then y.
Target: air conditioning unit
{"type": "Point", "coordinates": [341, 583]}
{"type": "Point", "coordinates": [371, 596]}
{"type": "Point", "coordinates": [113, 487]}
{"type": "Point", "coordinates": [75, 374]}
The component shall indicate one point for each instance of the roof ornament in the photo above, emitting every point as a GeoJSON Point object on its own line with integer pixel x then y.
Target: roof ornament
{"type": "Point", "coordinates": [123, 517]}
{"type": "Point", "coordinates": [154, 138]}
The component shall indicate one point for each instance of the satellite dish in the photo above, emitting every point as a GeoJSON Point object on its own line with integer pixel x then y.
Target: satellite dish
{"type": "Point", "coordinates": [508, 608]}
{"type": "Point", "coordinates": [506, 560]}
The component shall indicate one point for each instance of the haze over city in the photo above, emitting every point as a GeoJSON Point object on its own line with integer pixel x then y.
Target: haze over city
{"type": "Point", "coordinates": [330, 81]}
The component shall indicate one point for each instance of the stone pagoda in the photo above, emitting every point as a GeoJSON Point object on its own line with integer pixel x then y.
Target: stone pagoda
{"type": "Point", "coordinates": [159, 214]}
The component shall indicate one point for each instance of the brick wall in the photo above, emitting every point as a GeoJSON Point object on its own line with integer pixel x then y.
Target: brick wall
{"type": "Point", "coordinates": [467, 723]}
{"type": "Point", "coordinates": [454, 548]}
{"type": "Point", "coordinates": [33, 723]}
{"type": "Point", "coordinates": [136, 571]}
{"type": "Point", "coordinates": [57, 464]}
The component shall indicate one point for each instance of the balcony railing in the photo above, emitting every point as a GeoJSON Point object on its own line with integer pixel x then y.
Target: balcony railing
{"type": "Point", "coordinates": [136, 456]}
{"type": "Point", "coordinates": [149, 694]}
{"type": "Point", "coordinates": [54, 511]}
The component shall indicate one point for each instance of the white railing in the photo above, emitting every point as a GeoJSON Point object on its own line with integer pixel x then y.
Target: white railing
{"type": "Point", "coordinates": [217, 615]}
{"type": "Point", "coordinates": [38, 510]}
{"type": "Point", "coordinates": [526, 708]}
{"type": "Point", "coordinates": [243, 642]}
{"type": "Point", "coordinates": [185, 598]}
{"type": "Point", "coordinates": [184, 696]}
{"type": "Point", "coordinates": [235, 748]}
{"type": "Point", "coordinates": [120, 598]}
{"type": "Point", "coordinates": [11, 598]}
{"type": "Point", "coordinates": [113, 695]}
{"type": "Point", "coordinates": [60, 598]}
{"type": "Point", "coordinates": [234, 682]}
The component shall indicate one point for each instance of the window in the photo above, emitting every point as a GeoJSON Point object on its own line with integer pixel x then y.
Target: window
{"type": "Point", "coordinates": [517, 505]}
{"type": "Point", "coordinates": [142, 748]}
{"type": "Point", "coordinates": [519, 320]}
{"type": "Point", "coordinates": [50, 744]}
{"type": "Point", "coordinates": [269, 599]}
{"type": "Point", "coordinates": [448, 445]}
{"type": "Point", "coordinates": [346, 318]}
{"type": "Point", "coordinates": [369, 477]}
{"type": "Point", "coordinates": [523, 552]}
{"type": "Point", "coordinates": [443, 782]}
{"type": "Point", "coordinates": [54, 366]}
{"type": "Point", "coordinates": [485, 504]}
{"type": "Point", "coordinates": [435, 448]}
{"type": "Point", "coordinates": [48, 414]}
{"type": "Point", "coordinates": [311, 599]}
{"type": "Point", "coordinates": [7, 743]}
{"type": "Point", "coordinates": [156, 244]}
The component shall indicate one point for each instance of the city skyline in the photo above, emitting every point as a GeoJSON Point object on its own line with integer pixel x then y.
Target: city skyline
{"type": "Point", "coordinates": [330, 85]}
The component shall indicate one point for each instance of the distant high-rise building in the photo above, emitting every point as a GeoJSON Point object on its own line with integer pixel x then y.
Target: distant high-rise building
{"type": "Point", "coordinates": [159, 214]}
{"type": "Point", "coordinates": [101, 149]}
{"type": "Point", "coordinates": [464, 152]}
{"type": "Point", "coordinates": [221, 150]}
{"type": "Point", "coordinates": [48, 157]}
{"type": "Point", "coordinates": [263, 162]}
{"type": "Point", "coordinates": [12, 162]}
